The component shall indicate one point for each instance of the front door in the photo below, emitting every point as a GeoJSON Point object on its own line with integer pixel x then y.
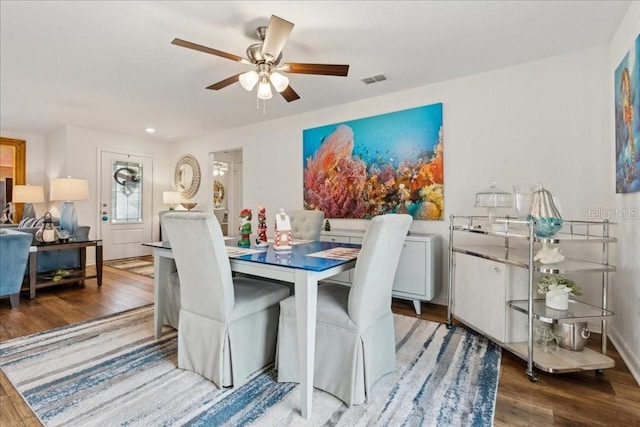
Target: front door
{"type": "Point", "coordinates": [126, 204]}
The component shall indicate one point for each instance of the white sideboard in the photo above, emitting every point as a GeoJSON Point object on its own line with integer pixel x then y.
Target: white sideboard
{"type": "Point", "coordinates": [418, 277]}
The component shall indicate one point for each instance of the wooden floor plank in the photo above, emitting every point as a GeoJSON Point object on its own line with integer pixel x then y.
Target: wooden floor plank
{"type": "Point", "coordinates": [514, 411]}
{"type": "Point", "coordinates": [611, 399]}
{"type": "Point", "coordinates": [13, 410]}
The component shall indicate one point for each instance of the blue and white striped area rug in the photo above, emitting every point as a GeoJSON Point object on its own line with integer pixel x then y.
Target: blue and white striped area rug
{"type": "Point", "coordinates": [111, 371]}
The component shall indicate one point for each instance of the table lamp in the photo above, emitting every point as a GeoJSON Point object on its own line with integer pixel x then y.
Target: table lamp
{"type": "Point", "coordinates": [28, 194]}
{"type": "Point", "coordinates": [171, 198]}
{"type": "Point", "coordinates": [69, 189]}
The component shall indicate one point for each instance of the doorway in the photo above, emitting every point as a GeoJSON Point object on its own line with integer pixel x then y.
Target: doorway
{"type": "Point", "coordinates": [226, 172]}
{"type": "Point", "coordinates": [12, 173]}
{"type": "Point", "coordinates": [126, 214]}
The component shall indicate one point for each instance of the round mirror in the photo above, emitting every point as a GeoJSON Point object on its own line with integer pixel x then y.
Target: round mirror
{"type": "Point", "coordinates": [187, 176]}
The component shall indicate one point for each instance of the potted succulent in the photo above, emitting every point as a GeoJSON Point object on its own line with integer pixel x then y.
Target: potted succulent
{"type": "Point", "coordinates": [556, 289]}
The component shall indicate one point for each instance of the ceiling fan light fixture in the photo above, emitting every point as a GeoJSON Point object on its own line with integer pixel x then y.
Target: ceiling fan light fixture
{"type": "Point", "coordinates": [248, 80]}
{"type": "Point", "coordinates": [279, 81]}
{"type": "Point", "coordinates": [265, 58]}
{"type": "Point", "coordinates": [264, 88]}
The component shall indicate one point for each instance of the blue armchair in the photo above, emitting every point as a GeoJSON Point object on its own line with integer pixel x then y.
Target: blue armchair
{"type": "Point", "coordinates": [14, 255]}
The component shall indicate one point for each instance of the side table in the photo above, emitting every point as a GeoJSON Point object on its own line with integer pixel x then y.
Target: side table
{"type": "Point", "coordinates": [34, 283]}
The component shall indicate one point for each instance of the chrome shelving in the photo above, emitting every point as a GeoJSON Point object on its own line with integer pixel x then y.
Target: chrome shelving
{"type": "Point", "coordinates": [576, 310]}
{"type": "Point", "coordinates": [512, 242]}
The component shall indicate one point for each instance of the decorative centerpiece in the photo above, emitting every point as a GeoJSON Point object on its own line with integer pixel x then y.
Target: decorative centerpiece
{"type": "Point", "coordinates": [282, 238]}
{"type": "Point", "coordinates": [545, 214]}
{"type": "Point", "coordinates": [556, 290]}
{"type": "Point", "coordinates": [245, 227]}
{"type": "Point", "coordinates": [261, 241]}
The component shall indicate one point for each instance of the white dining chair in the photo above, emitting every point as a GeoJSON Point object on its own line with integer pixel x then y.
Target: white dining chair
{"type": "Point", "coordinates": [227, 326]}
{"type": "Point", "coordinates": [355, 340]}
{"type": "Point", "coordinates": [306, 224]}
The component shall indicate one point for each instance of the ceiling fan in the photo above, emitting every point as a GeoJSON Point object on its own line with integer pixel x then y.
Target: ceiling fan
{"type": "Point", "coordinates": [265, 57]}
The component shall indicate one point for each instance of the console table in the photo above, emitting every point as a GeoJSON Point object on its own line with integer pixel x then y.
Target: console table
{"type": "Point", "coordinates": [34, 250]}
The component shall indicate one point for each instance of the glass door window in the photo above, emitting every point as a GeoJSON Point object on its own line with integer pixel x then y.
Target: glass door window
{"type": "Point", "coordinates": [126, 194]}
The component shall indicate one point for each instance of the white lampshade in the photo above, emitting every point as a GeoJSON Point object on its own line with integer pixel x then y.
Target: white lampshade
{"type": "Point", "coordinates": [279, 81]}
{"type": "Point", "coordinates": [28, 194]}
{"type": "Point", "coordinates": [264, 89]}
{"type": "Point", "coordinates": [69, 189]}
{"type": "Point", "coordinates": [248, 80]}
{"type": "Point", "coordinates": [171, 197]}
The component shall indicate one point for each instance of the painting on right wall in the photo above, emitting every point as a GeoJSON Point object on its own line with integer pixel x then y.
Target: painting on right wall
{"type": "Point", "coordinates": [627, 109]}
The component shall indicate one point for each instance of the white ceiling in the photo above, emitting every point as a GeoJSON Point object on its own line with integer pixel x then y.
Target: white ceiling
{"type": "Point", "coordinates": [110, 65]}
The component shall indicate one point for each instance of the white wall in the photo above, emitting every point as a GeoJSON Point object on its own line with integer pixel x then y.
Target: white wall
{"type": "Point", "coordinates": [544, 121]}
{"type": "Point", "coordinates": [625, 292]}
{"type": "Point", "coordinates": [82, 152]}
{"type": "Point", "coordinates": [56, 165]}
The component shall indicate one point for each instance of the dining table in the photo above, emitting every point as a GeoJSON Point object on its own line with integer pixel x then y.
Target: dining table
{"type": "Point", "coordinates": [304, 265]}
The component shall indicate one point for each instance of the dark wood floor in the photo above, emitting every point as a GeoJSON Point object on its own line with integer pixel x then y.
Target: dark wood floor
{"type": "Point", "coordinates": [575, 399]}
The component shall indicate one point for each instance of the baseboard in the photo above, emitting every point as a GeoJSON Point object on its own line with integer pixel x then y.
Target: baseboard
{"type": "Point", "coordinates": [630, 359]}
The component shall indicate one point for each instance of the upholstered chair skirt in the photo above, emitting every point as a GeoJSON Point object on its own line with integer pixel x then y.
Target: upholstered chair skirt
{"type": "Point", "coordinates": [340, 347]}
{"type": "Point", "coordinates": [355, 340]}
{"type": "Point", "coordinates": [227, 327]}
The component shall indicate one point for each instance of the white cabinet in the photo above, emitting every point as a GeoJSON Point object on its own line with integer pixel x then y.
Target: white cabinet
{"type": "Point", "coordinates": [418, 276]}
{"type": "Point", "coordinates": [493, 286]}
{"type": "Point", "coordinates": [482, 288]}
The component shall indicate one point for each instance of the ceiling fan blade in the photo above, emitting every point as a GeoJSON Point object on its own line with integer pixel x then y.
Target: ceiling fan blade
{"type": "Point", "coordinates": [277, 33]}
{"type": "Point", "coordinates": [289, 94]}
{"type": "Point", "coordinates": [321, 69]}
{"type": "Point", "coordinates": [200, 48]}
{"type": "Point", "coordinates": [224, 83]}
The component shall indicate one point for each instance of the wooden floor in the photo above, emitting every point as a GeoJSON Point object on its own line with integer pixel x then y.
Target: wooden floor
{"type": "Point", "coordinates": [576, 399]}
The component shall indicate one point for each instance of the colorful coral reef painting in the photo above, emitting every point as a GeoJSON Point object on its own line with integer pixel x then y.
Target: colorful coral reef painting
{"type": "Point", "coordinates": [391, 163]}
{"type": "Point", "coordinates": [627, 109]}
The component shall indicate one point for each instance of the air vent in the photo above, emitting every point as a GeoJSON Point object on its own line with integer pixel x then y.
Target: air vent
{"type": "Point", "coordinates": [373, 79]}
